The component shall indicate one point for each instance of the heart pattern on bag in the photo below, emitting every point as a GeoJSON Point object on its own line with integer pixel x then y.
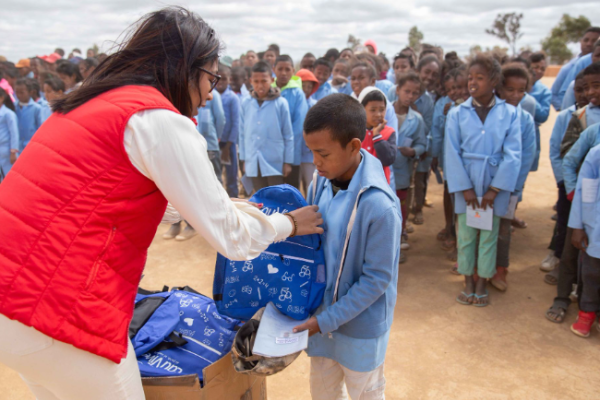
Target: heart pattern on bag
{"type": "Point", "coordinates": [272, 269]}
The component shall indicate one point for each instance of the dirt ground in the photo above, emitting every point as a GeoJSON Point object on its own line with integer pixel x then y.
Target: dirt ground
{"type": "Point", "coordinates": [438, 348]}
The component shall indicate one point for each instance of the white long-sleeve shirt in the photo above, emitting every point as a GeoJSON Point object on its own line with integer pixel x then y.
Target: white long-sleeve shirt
{"type": "Point", "coordinates": [167, 149]}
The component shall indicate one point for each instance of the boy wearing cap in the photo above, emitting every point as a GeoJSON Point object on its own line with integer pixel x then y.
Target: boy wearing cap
{"type": "Point", "coordinates": [24, 68]}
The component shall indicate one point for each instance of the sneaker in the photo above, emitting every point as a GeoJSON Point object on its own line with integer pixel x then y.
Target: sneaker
{"type": "Point", "coordinates": [583, 324]}
{"type": "Point", "coordinates": [187, 233]}
{"type": "Point", "coordinates": [173, 231]}
{"type": "Point", "coordinates": [550, 263]}
{"type": "Point", "coordinates": [409, 227]}
{"type": "Point", "coordinates": [402, 258]}
{"type": "Point", "coordinates": [404, 243]}
{"type": "Point", "coordinates": [548, 257]}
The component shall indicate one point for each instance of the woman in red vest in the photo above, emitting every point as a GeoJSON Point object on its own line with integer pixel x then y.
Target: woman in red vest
{"type": "Point", "coordinates": [81, 205]}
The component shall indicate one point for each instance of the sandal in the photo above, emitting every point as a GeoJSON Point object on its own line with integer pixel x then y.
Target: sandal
{"type": "Point", "coordinates": [481, 297]}
{"type": "Point", "coordinates": [518, 223]}
{"type": "Point", "coordinates": [468, 296]}
{"type": "Point", "coordinates": [442, 235]}
{"type": "Point", "coordinates": [558, 311]}
{"type": "Point", "coordinates": [551, 279]}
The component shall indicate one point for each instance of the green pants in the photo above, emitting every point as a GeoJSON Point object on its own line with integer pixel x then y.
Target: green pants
{"type": "Point", "coordinates": [467, 244]}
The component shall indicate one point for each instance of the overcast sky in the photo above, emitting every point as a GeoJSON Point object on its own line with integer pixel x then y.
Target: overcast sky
{"type": "Point", "coordinates": [35, 27]}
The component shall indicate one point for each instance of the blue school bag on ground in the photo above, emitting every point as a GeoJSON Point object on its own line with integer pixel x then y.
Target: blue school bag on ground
{"type": "Point", "coordinates": [179, 333]}
{"type": "Point", "coordinates": [290, 273]}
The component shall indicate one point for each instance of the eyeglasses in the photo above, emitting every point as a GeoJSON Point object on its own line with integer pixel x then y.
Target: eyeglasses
{"type": "Point", "coordinates": [215, 78]}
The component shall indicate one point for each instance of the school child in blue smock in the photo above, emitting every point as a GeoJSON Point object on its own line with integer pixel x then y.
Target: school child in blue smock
{"type": "Point", "coordinates": [231, 131]}
{"type": "Point", "coordinates": [515, 83]}
{"type": "Point", "coordinates": [36, 96]}
{"type": "Point", "coordinates": [412, 142]}
{"type": "Point", "coordinates": [266, 137]}
{"type": "Point", "coordinates": [582, 63]}
{"type": "Point", "coordinates": [9, 134]}
{"type": "Point", "coordinates": [341, 76]}
{"type": "Point", "coordinates": [590, 36]}
{"type": "Point", "coordinates": [569, 98]}
{"type": "Point", "coordinates": [351, 328]}
{"type": "Point", "coordinates": [322, 70]}
{"type": "Point", "coordinates": [483, 151]}
{"type": "Point", "coordinates": [291, 90]}
{"type": "Point", "coordinates": [402, 64]}
{"type": "Point", "coordinates": [29, 113]}
{"type": "Point", "coordinates": [542, 96]}
{"type": "Point", "coordinates": [585, 222]}
{"type": "Point", "coordinates": [237, 83]}
{"type": "Point", "coordinates": [382, 84]}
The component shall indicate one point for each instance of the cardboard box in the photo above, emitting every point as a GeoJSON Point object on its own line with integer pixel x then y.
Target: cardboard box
{"type": "Point", "coordinates": [222, 382]}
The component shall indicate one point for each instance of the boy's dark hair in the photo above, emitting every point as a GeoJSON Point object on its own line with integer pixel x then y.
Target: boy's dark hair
{"type": "Point", "coordinates": [515, 70]}
{"type": "Point", "coordinates": [90, 62]}
{"type": "Point", "coordinates": [10, 70]}
{"type": "Point", "coordinates": [262, 67]}
{"type": "Point", "coordinates": [489, 63]}
{"type": "Point", "coordinates": [537, 57]}
{"type": "Point", "coordinates": [373, 60]}
{"type": "Point", "coordinates": [332, 53]}
{"type": "Point", "coordinates": [342, 61]}
{"type": "Point", "coordinates": [404, 56]}
{"type": "Point", "coordinates": [428, 60]}
{"type": "Point", "coordinates": [409, 76]}
{"type": "Point", "coordinates": [69, 69]}
{"type": "Point", "coordinates": [370, 69]}
{"type": "Point", "coordinates": [55, 83]}
{"type": "Point", "coordinates": [593, 69]}
{"type": "Point", "coordinates": [375, 95]}
{"type": "Point", "coordinates": [451, 56]}
{"type": "Point", "coordinates": [580, 75]}
{"type": "Point", "coordinates": [323, 61]}
{"type": "Point", "coordinates": [35, 87]}
{"type": "Point", "coordinates": [25, 82]}
{"type": "Point", "coordinates": [224, 68]}
{"type": "Point", "coordinates": [261, 55]}
{"type": "Point", "coordinates": [274, 47]}
{"type": "Point", "coordinates": [284, 58]}
{"type": "Point", "coordinates": [59, 51]}
{"type": "Point", "coordinates": [341, 115]}
{"type": "Point", "coordinates": [7, 100]}
{"type": "Point", "coordinates": [595, 29]}
{"type": "Point", "coordinates": [521, 60]}
{"type": "Point", "coordinates": [311, 55]}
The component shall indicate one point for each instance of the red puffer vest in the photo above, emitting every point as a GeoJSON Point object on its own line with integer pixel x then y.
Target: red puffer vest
{"type": "Point", "coordinates": [369, 145]}
{"type": "Point", "coordinates": [76, 221]}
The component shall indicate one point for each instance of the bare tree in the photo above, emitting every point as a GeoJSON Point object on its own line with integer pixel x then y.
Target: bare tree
{"type": "Point", "coordinates": [507, 27]}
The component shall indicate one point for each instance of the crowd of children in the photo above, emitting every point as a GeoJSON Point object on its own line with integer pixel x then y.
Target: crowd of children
{"type": "Point", "coordinates": [473, 126]}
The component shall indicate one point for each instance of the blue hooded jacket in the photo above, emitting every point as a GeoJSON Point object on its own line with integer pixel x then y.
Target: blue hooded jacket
{"type": "Point", "coordinates": [412, 128]}
{"type": "Point", "coordinates": [211, 121]}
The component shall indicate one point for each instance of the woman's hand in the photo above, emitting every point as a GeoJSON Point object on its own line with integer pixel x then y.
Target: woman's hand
{"type": "Point", "coordinates": [407, 151]}
{"type": "Point", "coordinates": [488, 199]}
{"type": "Point", "coordinates": [471, 198]}
{"type": "Point", "coordinates": [308, 219]}
{"type": "Point", "coordinates": [579, 239]}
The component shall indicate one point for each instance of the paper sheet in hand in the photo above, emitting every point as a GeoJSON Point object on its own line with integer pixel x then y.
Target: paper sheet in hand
{"type": "Point", "coordinates": [589, 190]}
{"type": "Point", "coordinates": [512, 207]}
{"type": "Point", "coordinates": [275, 337]}
{"type": "Point", "coordinates": [480, 218]}
{"type": "Point", "coordinates": [407, 142]}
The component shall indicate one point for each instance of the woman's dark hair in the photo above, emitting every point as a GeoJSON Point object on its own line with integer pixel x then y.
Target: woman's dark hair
{"type": "Point", "coordinates": [341, 115]}
{"type": "Point", "coordinates": [6, 100]}
{"type": "Point", "coordinates": [55, 83]}
{"type": "Point", "coordinates": [488, 63]}
{"type": "Point", "coordinates": [375, 95]}
{"type": "Point", "coordinates": [166, 51]}
{"type": "Point", "coordinates": [69, 69]}
{"type": "Point", "coordinates": [516, 70]}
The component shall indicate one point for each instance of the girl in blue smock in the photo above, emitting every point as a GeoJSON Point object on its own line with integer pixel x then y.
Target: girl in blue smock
{"type": "Point", "coordinates": [9, 134]}
{"type": "Point", "coordinates": [483, 153]}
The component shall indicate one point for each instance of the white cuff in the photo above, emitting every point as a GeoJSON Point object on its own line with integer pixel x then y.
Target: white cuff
{"type": "Point", "coordinates": [283, 226]}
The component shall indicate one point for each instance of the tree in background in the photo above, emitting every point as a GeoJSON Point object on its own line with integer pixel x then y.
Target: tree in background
{"type": "Point", "coordinates": [353, 41]}
{"type": "Point", "coordinates": [568, 30]}
{"type": "Point", "coordinates": [507, 27]}
{"type": "Point", "coordinates": [499, 53]}
{"type": "Point", "coordinates": [415, 36]}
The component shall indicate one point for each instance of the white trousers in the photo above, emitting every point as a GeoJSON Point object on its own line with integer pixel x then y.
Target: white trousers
{"type": "Point", "coordinates": [329, 380]}
{"type": "Point", "coordinates": [55, 370]}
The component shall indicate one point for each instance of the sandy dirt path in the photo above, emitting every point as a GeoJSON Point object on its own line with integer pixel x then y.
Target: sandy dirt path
{"type": "Point", "coordinates": [438, 348]}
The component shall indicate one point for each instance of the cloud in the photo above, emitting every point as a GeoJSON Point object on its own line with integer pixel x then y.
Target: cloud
{"type": "Point", "coordinates": [34, 27]}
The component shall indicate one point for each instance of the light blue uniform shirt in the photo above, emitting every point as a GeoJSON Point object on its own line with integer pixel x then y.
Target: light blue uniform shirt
{"type": "Point", "coordinates": [211, 121]}
{"type": "Point", "coordinates": [266, 137]}
{"type": "Point", "coordinates": [345, 89]}
{"type": "Point", "coordinates": [324, 90]}
{"type": "Point", "coordinates": [543, 97]}
{"type": "Point", "coordinates": [29, 117]}
{"type": "Point", "coordinates": [437, 130]}
{"type": "Point", "coordinates": [9, 137]}
{"type": "Point", "coordinates": [558, 133]}
{"type": "Point", "coordinates": [528, 152]}
{"type": "Point", "coordinates": [528, 104]}
{"type": "Point", "coordinates": [231, 107]}
{"type": "Point", "coordinates": [391, 75]}
{"type": "Point", "coordinates": [298, 109]}
{"type": "Point", "coordinates": [481, 155]}
{"type": "Point", "coordinates": [425, 105]}
{"type": "Point", "coordinates": [592, 114]}
{"type": "Point", "coordinates": [384, 85]}
{"type": "Point", "coordinates": [569, 97]}
{"type": "Point", "coordinates": [588, 139]}
{"type": "Point", "coordinates": [413, 128]}
{"type": "Point", "coordinates": [582, 63]}
{"type": "Point", "coordinates": [586, 215]}
{"type": "Point", "coordinates": [307, 156]}
{"type": "Point", "coordinates": [46, 110]}
{"type": "Point", "coordinates": [557, 99]}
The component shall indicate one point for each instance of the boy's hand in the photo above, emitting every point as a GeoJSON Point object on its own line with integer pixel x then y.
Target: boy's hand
{"type": "Point", "coordinates": [13, 156]}
{"type": "Point", "coordinates": [471, 198]}
{"type": "Point", "coordinates": [339, 80]}
{"type": "Point", "coordinates": [225, 155]}
{"type": "Point", "coordinates": [579, 239]}
{"type": "Point", "coordinates": [287, 169]}
{"type": "Point", "coordinates": [488, 199]}
{"type": "Point", "coordinates": [312, 325]}
{"type": "Point", "coordinates": [447, 108]}
{"type": "Point", "coordinates": [407, 151]}
{"type": "Point", "coordinates": [379, 128]}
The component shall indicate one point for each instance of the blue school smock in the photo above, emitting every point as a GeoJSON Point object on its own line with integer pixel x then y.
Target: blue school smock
{"type": "Point", "coordinates": [296, 99]}
{"type": "Point", "coordinates": [307, 155]}
{"type": "Point", "coordinates": [355, 326]}
{"type": "Point", "coordinates": [588, 139]}
{"type": "Point", "coordinates": [586, 215]}
{"type": "Point", "coordinates": [528, 104]}
{"type": "Point", "coordinates": [569, 98]}
{"type": "Point", "coordinates": [412, 128]}
{"type": "Point", "coordinates": [425, 106]}
{"type": "Point", "coordinates": [482, 155]}
{"type": "Point", "coordinates": [391, 94]}
{"type": "Point", "coordinates": [345, 88]}
{"type": "Point", "coordinates": [266, 137]}
{"type": "Point", "coordinates": [324, 90]}
{"type": "Point", "coordinates": [437, 130]}
{"type": "Point", "coordinates": [542, 96]}
{"type": "Point", "coordinates": [9, 136]}
{"type": "Point", "coordinates": [231, 108]}
{"type": "Point", "coordinates": [29, 117]}
{"type": "Point", "coordinates": [46, 110]}
{"type": "Point", "coordinates": [582, 63]}
{"type": "Point", "coordinates": [528, 150]}
{"type": "Point", "coordinates": [558, 133]}
{"type": "Point", "coordinates": [391, 75]}
{"type": "Point", "coordinates": [557, 98]}
{"type": "Point", "coordinates": [592, 114]}
{"type": "Point", "coordinates": [211, 121]}
{"type": "Point", "coordinates": [384, 85]}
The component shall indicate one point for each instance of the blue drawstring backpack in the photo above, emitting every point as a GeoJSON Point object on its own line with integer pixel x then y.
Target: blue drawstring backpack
{"type": "Point", "coordinates": [290, 273]}
{"type": "Point", "coordinates": [179, 333]}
